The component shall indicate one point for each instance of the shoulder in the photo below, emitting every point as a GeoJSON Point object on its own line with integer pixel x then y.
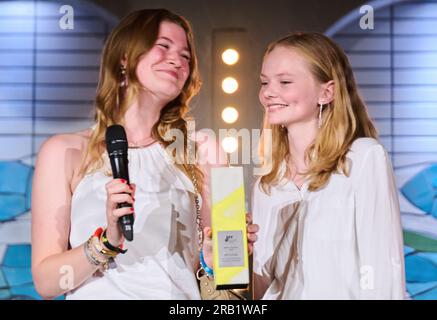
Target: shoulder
{"type": "Point", "coordinates": [63, 152]}
{"type": "Point", "coordinates": [366, 151]}
{"type": "Point", "coordinates": [60, 143]}
{"type": "Point", "coordinates": [364, 147]}
{"type": "Point", "coordinates": [364, 144]}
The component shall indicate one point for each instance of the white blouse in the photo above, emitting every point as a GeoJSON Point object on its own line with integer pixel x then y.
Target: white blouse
{"type": "Point", "coordinates": [160, 261]}
{"type": "Point", "coordinates": [343, 241]}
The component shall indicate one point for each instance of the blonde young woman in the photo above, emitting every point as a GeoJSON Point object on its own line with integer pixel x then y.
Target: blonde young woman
{"type": "Point", "coordinates": [328, 209]}
{"type": "Point", "coordinates": [148, 76]}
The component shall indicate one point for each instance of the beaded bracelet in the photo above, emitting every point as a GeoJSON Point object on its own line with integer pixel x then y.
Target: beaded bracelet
{"type": "Point", "coordinates": [205, 267]}
{"type": "Point", "coordinates": [88, 255]}
{"type": "Point", "coordinates": [97, 254]}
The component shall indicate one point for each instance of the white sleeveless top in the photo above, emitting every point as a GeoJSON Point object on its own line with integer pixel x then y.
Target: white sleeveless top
{"type": "Point", "coordinates": [160, 261]}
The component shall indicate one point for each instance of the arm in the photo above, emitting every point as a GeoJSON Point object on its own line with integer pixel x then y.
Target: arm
{"type": "Point", "coordinates": [51, 199]}
{"type": "Point", "coordinates": [378, 229]}
{"type": "Point", "coordinates": [57, 270]}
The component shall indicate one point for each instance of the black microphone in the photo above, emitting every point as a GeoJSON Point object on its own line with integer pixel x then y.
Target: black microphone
{"type": "Point", "coordinates": [116, 145]}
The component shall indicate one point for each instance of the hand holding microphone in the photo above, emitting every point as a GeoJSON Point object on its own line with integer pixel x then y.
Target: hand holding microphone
{"type": "Point", "coordinates": [120, 200]}
{"type": "Point", "coordinates": [118, 191]}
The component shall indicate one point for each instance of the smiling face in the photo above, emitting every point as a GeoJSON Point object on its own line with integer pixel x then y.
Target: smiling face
{"type": "Point", "coordinates": [289, 91]}
{"type": "Point", "coordinates": [164, 69]}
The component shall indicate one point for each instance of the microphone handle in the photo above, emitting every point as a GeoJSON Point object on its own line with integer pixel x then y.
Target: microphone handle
{"type": "Point", "coordinates": [120, 171]}
{"type": "Point", "coordinates": [119, 165]}
{"type": "Point", "coordinates": [126, 223]}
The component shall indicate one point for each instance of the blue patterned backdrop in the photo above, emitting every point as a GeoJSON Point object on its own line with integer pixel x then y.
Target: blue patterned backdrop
{"type": "Point", "coordinates": [48, 78]}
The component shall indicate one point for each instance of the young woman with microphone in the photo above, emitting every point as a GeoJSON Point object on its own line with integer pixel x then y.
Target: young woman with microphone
{"type": "Point", "coordinates": [148, 76]}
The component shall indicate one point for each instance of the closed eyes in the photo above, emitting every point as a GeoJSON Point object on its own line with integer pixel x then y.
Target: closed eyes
{"type": "Point", "coordinates": [163, 45]}
{"type": "Point", "coordinates": [166, 46]}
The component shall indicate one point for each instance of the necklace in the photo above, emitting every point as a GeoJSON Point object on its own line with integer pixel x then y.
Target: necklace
{"type": "Point", "coordinates": [141, 143]}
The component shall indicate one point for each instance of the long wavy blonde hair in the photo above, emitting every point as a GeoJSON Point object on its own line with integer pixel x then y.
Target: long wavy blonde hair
{"type": "Point", "coordinates": [134, 36]}
{"type": "Point", "coordinates": [344, 119]}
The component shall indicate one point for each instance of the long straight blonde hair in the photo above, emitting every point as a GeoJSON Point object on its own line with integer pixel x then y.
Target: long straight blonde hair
{"type": "Point", "coordinates": [131, 38]}
{"type": "Point", "coordinates": [344, 119]}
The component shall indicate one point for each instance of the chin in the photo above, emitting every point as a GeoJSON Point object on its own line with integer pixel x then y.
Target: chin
{"type": "Point", "coordinates": [170, 92]}
{"type": "Point", "coordinates": [275, 120]}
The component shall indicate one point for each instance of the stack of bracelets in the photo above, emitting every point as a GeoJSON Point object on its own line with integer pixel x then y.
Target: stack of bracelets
{"type": "Point", "coordinates": [100, 252]}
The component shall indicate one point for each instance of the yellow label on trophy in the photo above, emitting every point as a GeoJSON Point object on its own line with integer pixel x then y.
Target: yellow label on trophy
{"type": "Point", "coordinates": [228, 219]}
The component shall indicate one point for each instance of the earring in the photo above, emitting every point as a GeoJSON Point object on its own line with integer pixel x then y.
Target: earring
{"type": "Point", "coordinates": [123, 80]}
{"type": "Point", "coordinates": [320, 115]}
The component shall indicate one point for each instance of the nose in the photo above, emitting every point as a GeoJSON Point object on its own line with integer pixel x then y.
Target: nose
{"type": "Point", "coordinates": [268, 92]}
{"type": "Point", "coordinates": [174, 59]}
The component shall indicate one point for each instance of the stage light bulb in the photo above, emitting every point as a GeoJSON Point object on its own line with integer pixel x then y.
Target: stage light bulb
{"type": "Point", "coordinates": [230, 56]}
{"type": "Point", "coordinates": [229, 114]}
{"type": "Point", "coordinates": [230, 85]}
{"type": "Point", "coordinates": [230, 144]}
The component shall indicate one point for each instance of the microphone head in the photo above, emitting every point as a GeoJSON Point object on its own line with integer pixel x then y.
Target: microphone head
{"type": "Point", "coordinates": [116, 140]}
